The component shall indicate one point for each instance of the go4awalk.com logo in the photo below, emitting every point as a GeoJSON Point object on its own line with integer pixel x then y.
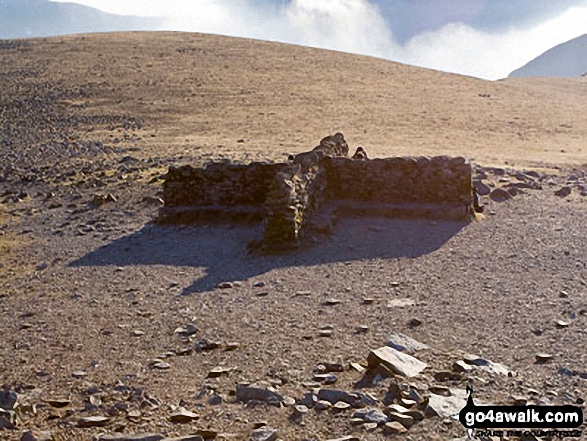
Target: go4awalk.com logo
{"type": "Point", "coordinates": [549, 421]}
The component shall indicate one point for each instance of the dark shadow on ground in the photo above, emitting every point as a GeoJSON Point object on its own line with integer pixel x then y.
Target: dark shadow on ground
{"type": "Point", "coordinates": [222, 249]}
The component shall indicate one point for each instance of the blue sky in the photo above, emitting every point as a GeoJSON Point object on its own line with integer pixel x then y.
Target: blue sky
{"type": "Point", "coordinates": [483, 38]}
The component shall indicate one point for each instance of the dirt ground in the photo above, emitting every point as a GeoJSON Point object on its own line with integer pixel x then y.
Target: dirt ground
{"type": "Point", "coordinates": [92, 291]}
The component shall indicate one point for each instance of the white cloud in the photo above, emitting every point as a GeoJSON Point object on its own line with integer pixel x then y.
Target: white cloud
{"type": "Point", "coordinates": [357, 26]}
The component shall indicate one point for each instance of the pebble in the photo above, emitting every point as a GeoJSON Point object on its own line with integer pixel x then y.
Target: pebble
{"type": "Point", "coordinates": [259, 284]}
{"type": "Point", "coordinates": [79, 374]}
{"type": "Point", "coordinates": [394, 428]}
{"type": "Point", "coordinates": [544, 358]}
{"type": "Point", "coordinates": [561, 324]}
{"type": "Point", "coordinates": [93, 421]}
{"type": "Point", "coordinates": [218, 372]}
{"type": "Point", "coordinates": [183, 416]}
{"type": "Point", "coordinates": [225, 285]}
{"type": "Point", "coordinates": [370, 427]}
{"type": "Point", "coordinates": [402, 418]}
{"type": "Point", "coordinates": [362, 329]}
{"type": "Point", "coordinates": [299, 411]}
{"type": "Point", "coordinates": [332, 302]}
{"type": "Point", "coordinates": [160, 365]}
{"type": "Point", "coordinates": [461, 366]}
{"type": "Point", "coordinates": [368, 301]}
{"type": "Point", "coordinates": [341, 405]}
{"type": "Point", "coordinates": [30, 435]}
{"type": "Point", "coordinates": [325, 378]}
{"type": "Point", "coordinates": [264, 433]}
{"type": "Point", "coordinates": [322, 405]}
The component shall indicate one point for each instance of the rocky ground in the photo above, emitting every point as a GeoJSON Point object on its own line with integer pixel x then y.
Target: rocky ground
{"type": "Point", "coordinates": [114, 327]}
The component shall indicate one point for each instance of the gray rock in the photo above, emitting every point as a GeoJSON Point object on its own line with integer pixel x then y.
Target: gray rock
{"type": "Point", "coordinates": [403, 418]}
{"type": "Point", "coordinates": [8, 399]}
{"type": "Point", "coordinates": [375, 416]}
{"type": "Point", "coordinates": [334, 396]}
{"type": "Point", "coordinates": [346, 438]}
{"type": "Point", "coordinates": [322, 405]}
{"type": "Point", "coordinates": [264, 434]}
{"type": "Point", "coordinates": [398, 362]}
{"type": "Point", "coordinates": [500, 195]}
{"type": "Point", "coordinates": [93, 421]}
{"type": "Point", "coordinates": [461, 366]}
{"type": "Point", "coordinates": [267, 394]}
{"type": "Point", "coordinates": [447, 406]}
{"type": "Point", "coordinates": [299, 411]}
{"type": "Point", "coordinates": [563, 192]}
{"type": "Point", "coordinates": [482, 188]}
{"type": "Point", "coordinates": [544, 358]}
{"type": "Point", "coordinates": [394, 428]}
{"type": "Point", "coordinates": [126, 437]}
{"type": "Point", "coordinates": [183, 416]}
{"type": "Point", "coordinates": [186, 438]}
{"type": "Point", "coordinates": [403, 343]}
{"type": "Point", "coordinates": [31, 435]}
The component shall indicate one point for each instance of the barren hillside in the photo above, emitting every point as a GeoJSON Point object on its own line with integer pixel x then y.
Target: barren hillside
{"type": "Point", "coordinates": [117, 328]}
{"type": "Point", "coordinates": [193, 91]}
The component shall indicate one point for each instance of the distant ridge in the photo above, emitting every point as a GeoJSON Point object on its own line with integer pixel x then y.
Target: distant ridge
{"type": "Point", "coordinates": [42, 18]}
{"type": "Point", "coordinates": [565, 60]}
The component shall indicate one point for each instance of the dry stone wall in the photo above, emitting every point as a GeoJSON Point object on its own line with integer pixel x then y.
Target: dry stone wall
{"type": "Point", "coordinates": [287, 196]}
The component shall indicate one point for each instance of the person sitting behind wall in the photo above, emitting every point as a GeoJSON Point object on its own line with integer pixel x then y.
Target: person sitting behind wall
{"type": "Point", "coordinates": [360, 154]}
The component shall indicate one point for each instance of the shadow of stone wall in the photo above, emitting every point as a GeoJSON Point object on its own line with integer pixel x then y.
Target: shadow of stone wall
{"type": "Point", "coordinates": [287, 196]}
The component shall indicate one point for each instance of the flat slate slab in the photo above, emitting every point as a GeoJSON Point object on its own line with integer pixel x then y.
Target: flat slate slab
{"type": "Point", "coordinates": [403, 343]}
{"type": "Point", "coordinates": [398, 362]}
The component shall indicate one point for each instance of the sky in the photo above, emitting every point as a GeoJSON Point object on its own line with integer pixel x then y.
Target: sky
{"type": "Point", "coordinates": [482, 38]}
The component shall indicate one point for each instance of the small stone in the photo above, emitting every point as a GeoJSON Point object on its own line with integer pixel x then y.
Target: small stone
{"type": "Point", "coordinates": [563, 192]}
{"type": "Point", "coordinates": [134, 414]}
{"type": "Point", "coordinates": [500, 195]}
{"type": "Point", "coordinates": [370, 427]}
{"type": "Point", "coordinates": [398, 362]}
{"type": "Point", "coordinates": [475, 360]}
{"type": "Point", "coordinates": [461, 366]}
{"type": "Point", "coordinates": [289, 401]}
{"type": "Point", "coordinates": [58, 402]}
{"type": "Point", "coordinates": [8, 399]}
{"type": "Point", "coordinates": [444, 376]}
{"type": "Point", "coordinates": [397, 408]}
{"type": "Point", "coordinates": [414, 322]}
{"type": "Point", "coordinates": [322, 405]}
{"type": "Point", "coordinates": [400, 303]}
{"type": "Point", "coordinates": [137, 333]}
{"type": "Point", "coordinates": [258, 284]}
{"type": "Point", "coordinates": [561, 324]}
{"type": "Point", "coordinates": [394, 428]}
{"type": "Point", "coordinates": [225, 285]}
{"type": "Point", "coordinates": [325, 378]}
{"type": "Point", "coordinates": [402, 418]}
{"type": "Point", "coordinates": [564, 295]}
{"type": "Point", "coordinates": [368, 301]}
{"type": "Point", "coordinates": [93, 421]}
{"type": "Point", "coordinates": [356, 421]}
{"type": "Point", "coordinates": [341, 406]}
{"type": "Point", "coordinates": [160, 365]}
{"type": "Point", "coordinates": [375, 416]}
{"type": "Point", "coordinates": [299, 411]}
{"type": "Point", "coordinates": [79, 374]}
{"type": "Point", "coordinates": [346, 438]}
{"type": "Point", "coordinates": [186, 331]}
{"type": "Point", "coordinates": [231, 346]}
{"type": "Point", "coordinates": [245, 393]}
{"type": "Point", "coordinates": [403, 343]}
{"type": "Point", "coordinates": [405, 402]}
{"type": "Point", "coordinates": [215, 400]}
{"type": "Point", "coordinates": [544, 358]}
{"type": "Point", "coordinates": [325, 333]}
{"type": "Point", "coordinates": [415, 414]}
{"type": "Point", "coordinates": [362, 329]}
{"type": "Point", "coordinates": [357, 367]}
{"type": "Point", "coordinates": [31, 435]}
{"type": "Point", "coordinates": [183, 416]}
{"type": "Point", "coordinates": [332, 302]}
{"type": "Point", "coordinates": [264, 434]}
{"type": "Point", "coordinates": [440, 390]}
{"type": "Point", "coordinates": [218, 371]}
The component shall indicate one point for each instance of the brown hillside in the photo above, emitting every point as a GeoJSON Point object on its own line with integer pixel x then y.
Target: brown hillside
{"type": "Point", "coordinates": [193, 90]}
